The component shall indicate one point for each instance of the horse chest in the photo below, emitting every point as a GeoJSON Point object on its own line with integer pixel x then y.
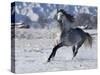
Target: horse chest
{"type": "Point", "coordinates": [57, 37]}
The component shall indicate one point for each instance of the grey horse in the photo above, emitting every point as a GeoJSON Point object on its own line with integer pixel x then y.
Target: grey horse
{"type": "Point", "coordinates": [70, 36]}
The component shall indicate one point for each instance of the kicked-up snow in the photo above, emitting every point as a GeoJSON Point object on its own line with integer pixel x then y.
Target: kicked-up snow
{"type": "Point", "coordinates": [33, 47]}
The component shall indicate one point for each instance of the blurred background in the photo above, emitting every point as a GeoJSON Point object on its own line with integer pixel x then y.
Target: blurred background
{"type": "Point", "coordinates": [41, 15]}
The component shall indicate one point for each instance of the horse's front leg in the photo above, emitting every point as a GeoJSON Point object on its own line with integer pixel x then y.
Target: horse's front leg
{"type": "Point", "coordinates": [54, 51]}
{"type": "Point", "coordinates": [52, 55]}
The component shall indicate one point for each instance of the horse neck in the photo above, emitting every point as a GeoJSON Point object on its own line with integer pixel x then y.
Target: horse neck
{"type": "Point", "coordinates": [66, 25]}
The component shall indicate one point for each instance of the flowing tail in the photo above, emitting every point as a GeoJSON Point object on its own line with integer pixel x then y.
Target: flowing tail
{"type": "Point", "coordinates": [88, 41]}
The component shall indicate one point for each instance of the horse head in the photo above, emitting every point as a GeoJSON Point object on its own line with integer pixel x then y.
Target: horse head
{"type": "Point", "coordinates": [61, 13]}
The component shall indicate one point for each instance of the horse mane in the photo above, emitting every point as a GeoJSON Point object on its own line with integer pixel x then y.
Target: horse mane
{"type": "Point", "coordinates": [68, 16]}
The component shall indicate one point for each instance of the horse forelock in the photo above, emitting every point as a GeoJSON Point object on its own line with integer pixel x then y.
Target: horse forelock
{"type": "Point", "coordinates": [68, 16]}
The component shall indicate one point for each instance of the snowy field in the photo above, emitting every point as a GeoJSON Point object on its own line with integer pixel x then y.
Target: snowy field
{"type": "Point", "coordinates": [33, 47]}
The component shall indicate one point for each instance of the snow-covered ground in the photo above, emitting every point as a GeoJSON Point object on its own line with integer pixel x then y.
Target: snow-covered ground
{"type": "Point", "coordinates": [33, 47]}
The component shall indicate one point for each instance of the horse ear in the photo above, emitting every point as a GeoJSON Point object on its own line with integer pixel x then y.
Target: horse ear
{"type": "Point", "coordinates": [57, 9]}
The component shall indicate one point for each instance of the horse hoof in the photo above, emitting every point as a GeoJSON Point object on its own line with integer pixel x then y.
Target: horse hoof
{"type": "Point", "coordinates": [72, 58]}
{"type": "Point", "coordinates": [48, 60]}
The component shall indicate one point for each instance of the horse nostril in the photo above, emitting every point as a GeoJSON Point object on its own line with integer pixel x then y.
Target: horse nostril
{"type": "Point", "coordinates": [60, 21]}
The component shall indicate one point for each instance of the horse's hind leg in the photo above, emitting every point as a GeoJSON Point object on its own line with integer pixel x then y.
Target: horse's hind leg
{"type": "Point", "coordinates": [73, 48]}
{"type": "Point", "coordinates": [78, 46]}
{"type": "Point", "coordinates": [54, 51]}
